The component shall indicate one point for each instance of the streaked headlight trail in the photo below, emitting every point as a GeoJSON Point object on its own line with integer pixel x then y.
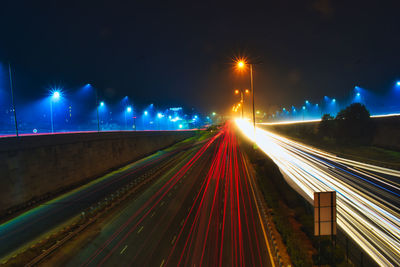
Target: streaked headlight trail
{"type": "Point", "coordinates": [368, 196]}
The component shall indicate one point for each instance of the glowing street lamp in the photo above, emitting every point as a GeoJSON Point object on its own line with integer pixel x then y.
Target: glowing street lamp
{"type": "Point", "coordinates": [101, 104]}
{"type": "Point", "coordinates": [237, 91]}
{"type": "Point", "coordinates": [398, 83]}
{"type": "Point", "coordinates": [127, 110]}
{"type": "Point", "coordinates": [241, 63]}
{"type": "Point", "coordinates": [55, 96]}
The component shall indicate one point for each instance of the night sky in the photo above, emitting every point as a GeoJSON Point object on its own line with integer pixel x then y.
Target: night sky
{"type": "Point", "coordinates": [182, 54]}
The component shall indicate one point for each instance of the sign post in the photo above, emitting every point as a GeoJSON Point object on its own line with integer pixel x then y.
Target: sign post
{"type": "Point", "coordinates": [325, 217]}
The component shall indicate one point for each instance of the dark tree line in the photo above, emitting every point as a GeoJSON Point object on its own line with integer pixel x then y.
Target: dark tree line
{"type": "Point", "coordinates": [351, 125]}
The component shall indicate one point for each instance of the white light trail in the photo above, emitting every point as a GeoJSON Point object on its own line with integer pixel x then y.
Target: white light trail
{"type": "Point", "coordinates": [368, 196]}
{"type": "Point", "coordinates": [318, 120]}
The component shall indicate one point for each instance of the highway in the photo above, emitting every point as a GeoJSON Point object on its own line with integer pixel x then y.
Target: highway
{"type": "Point", "coordinates": [202, 212]}
{"type": "Point", "coordinates": [26, 228]}
{"type": "Point", "coordinates": [368, 196]}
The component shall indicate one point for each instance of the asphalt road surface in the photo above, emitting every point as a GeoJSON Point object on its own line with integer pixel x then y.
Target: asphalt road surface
{"type": "Point", "coordinates": [198, 210]}
{"type": "Point", "coordinates": [200, 213]}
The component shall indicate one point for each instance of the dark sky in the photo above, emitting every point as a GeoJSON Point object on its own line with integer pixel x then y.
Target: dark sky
{"type": "Point", "coordinates": [172, 54]}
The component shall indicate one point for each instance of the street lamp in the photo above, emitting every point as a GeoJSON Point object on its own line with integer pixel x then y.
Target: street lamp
{"type": "Point", "coordinates": [237, 91]}
{"type": "Point", "coordinates": [128, 110]}
{"type": "Point", "coordinates": [55, 96]}
{"type": "Point", "coordinates": [241, 64]}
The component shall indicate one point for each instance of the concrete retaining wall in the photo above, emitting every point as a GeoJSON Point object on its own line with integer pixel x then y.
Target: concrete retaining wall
{"type": "Point", "coordinates": [33, 166]}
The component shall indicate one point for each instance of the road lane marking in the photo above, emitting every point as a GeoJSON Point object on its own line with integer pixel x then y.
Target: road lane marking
{"type": "Point", "coordinates": [162, 263]}
{"type": "Point", "coordinates": [123, 250]}
{"type": "Point", "coordinates": [258, 211]}
{"type": "Point", "coordinates": [141, 228]}
{"type": "Point", "coordinates": [173, 240]}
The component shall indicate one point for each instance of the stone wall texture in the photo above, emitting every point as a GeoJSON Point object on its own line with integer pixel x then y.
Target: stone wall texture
{"type": "Point", "coordinates": [33, 166]}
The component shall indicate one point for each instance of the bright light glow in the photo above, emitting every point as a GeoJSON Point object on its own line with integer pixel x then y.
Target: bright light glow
{"type": "Point", "coordinates": [240, 64]}
{"type": "Point", "coordinates": [358, 94]}
{"type": "Point", "coordinates": [160, 115]}
{"type": "Point", "coordinates": [145, 113]}
{"type": "Point", "coordinates": [398, 83]}
{"type": "Point", "coordinates": [288, 122]}
{"type": "Point", "coordinates": [180, 126]}
{"type": "Point", "coordinates": [386, 115]}
{"type": "Point", "coordinates": [365, 210]}
{"type": "Point", "coordinates": [236, 91]}
{"type": "Point", "coordinates": [307, 102]}
{"type": "Point", "coordinates": [258, 112]}
{"type": "Point", "coordinates": [195, 116]}
{"type": "Point", "coordinates": [214, 113]}
{"type": "Point", "coordinates": [101, 103]}
{"type": "Point", "coordinates": [129, 109]}
{"type": "Point", "coordinates": [175, 119]}
{"type": "Point", "coordinates": [56, 95]}
{"type": "Point", "coordinates": [247, 91]}
{"type": "Point", "coordinates": [304, 107]}
{"type": "Point", "coordinates": [334, 100]}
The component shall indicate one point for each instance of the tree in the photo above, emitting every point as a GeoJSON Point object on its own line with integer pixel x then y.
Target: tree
{"type": "Point", "coordinates": [354, 124]}
{"type": "Point", "coordinates": [327, 126]}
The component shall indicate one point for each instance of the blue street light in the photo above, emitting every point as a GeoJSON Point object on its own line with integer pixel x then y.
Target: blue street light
{"type": "Point", "coordinates": [334, 100]}
{"type": "Point", "coordinates": [128, 109]}
{"type": "Point", "coordinates": [398, 83]}
{"type": "Point", "coordinates": [304, 107]}
{"type": "Point", "coordinates": [160, 115]}
{"type": "Point", "coordinates": [307, 102]}
{"type": "Point", "coordinates": [358, 94]}
{"type": "Point", "coordinates": [55, 96]}
{"type": "Point", "coordinates": [101, 103]}
{"type": "Point", "coordinates": [146, 113]}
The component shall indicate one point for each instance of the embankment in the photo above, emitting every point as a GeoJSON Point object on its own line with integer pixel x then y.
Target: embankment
{"type": "Point", "coordinates": [33, 167]}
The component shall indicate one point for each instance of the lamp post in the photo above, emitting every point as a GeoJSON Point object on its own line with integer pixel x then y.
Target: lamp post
{"type": "Point", "coordinates": [241, 64]}
{"type": "Point", "coordinates": [97, 110]}
{"type": "Point", "coordinates": [128, 110]}
{"type": "Point", "coordinates": [246, 91]}
{"type": "Point", "coordinates": [12, 100]}
{"type": "Point", "coordinates": [54, 97]}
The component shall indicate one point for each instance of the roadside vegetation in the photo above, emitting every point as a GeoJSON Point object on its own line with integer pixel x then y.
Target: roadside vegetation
{"type": "Point", "coordinates": [292, 215]}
